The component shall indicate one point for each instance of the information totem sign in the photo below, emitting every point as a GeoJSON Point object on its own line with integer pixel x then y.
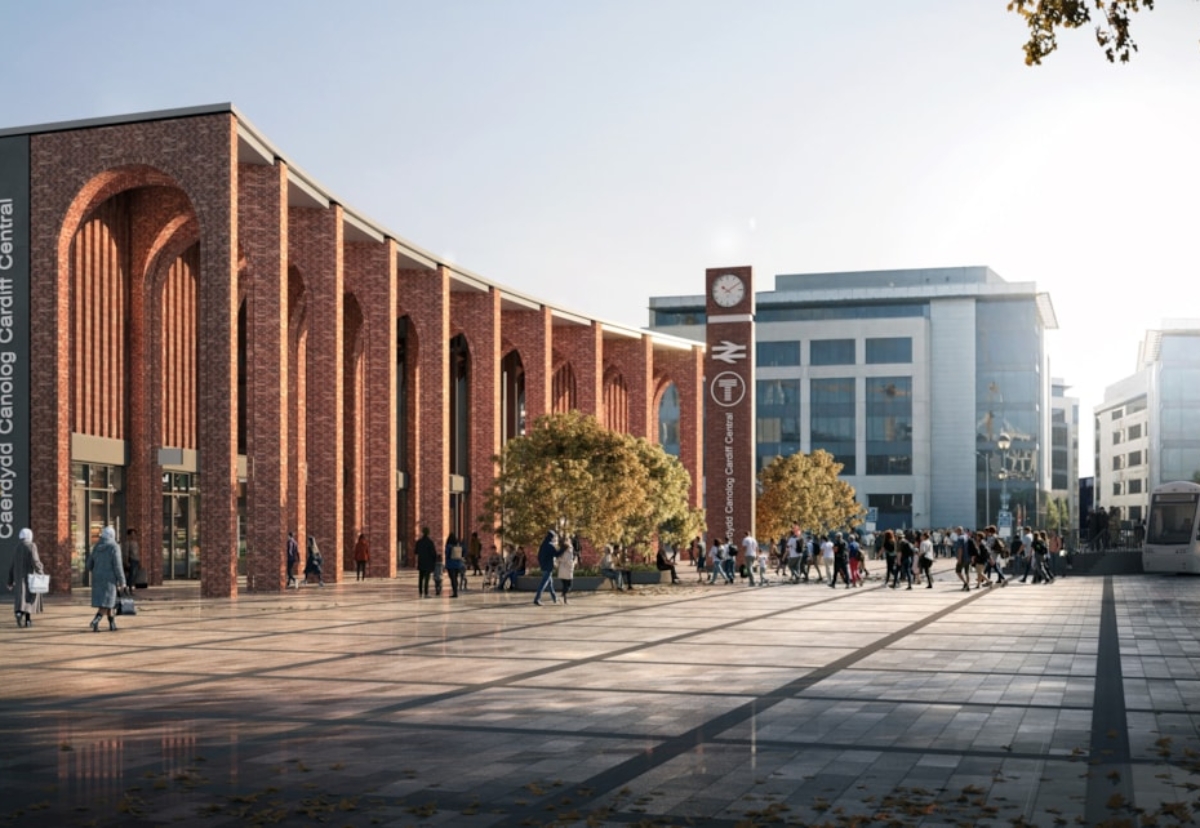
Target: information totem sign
{"type": "Point", "coordinates": [729, 444]}
{"type": "Point", "coordinates": [14, 343]}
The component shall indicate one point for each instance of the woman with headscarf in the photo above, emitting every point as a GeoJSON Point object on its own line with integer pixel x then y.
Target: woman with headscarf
{"type": "Point", "coordinates": [25, 561]}
{"type": "Point", "coordinates": [108, 576]}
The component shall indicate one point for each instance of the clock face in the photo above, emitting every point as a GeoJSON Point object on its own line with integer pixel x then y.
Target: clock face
{"type": "Point", "coordinates": [728, 290]}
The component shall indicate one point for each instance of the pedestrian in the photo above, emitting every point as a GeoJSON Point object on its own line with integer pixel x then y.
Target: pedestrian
{"type": "Point", "coordinates": [827, 558]}
{"type": "Point", "coordinates": [362, 554]}
{"type": "Point", "coordinates": [24, 563]}
{"type": "Point", "coordinates": [979, 557]}
{"type": "Point", "coordinates": [961, 547]}
{"type": "Point", "coordinates": [312, 566]}
{"type": "Point", "coordinates": [455, 565]}
{"type": "Point", "coordinates": [547, 554]}
{"type": "Point", "coordinates": [841, 561]}
{"type": "Point", "coordinates": [515, 568]}
{"type": "Point", "coordinates": [426, 559]}
{"type": "Point", "coordinates": [108, 577]}
{"type": "Point", "coordinates": [131, 556]}
{"type": "Point", "coordinates": [293, 560]}
{"type": "Point", "coordinates": [904, 566]}
{"type": "Point", "coordinates": [889, 557]}
{"type": "Point", "coordinates": [927, 553]}
{"type": "Point", "coordinates": [474, 553]}
{"type": "Point", "coordinates": [608, 568]}
{"type": "Point", "coordinates": [566, 568]}
{"type": "Point", "coordinates": [858, 566]}
{"type": "Point", "coordinates": [661, 562]}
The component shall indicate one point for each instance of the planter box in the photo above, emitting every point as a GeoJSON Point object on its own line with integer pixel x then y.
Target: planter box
{"type": "Point", "coordinates": [584, 583]}
{"type": "Point", "coordinates": [590, 583]}
{"type": "Point", "coordinates": [655, 577]}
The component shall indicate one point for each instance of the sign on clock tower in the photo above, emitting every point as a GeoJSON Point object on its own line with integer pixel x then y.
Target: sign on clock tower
{"type": "Point", "coordinates": [729, 444]}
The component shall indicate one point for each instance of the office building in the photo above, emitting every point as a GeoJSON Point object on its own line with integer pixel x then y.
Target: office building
{"type": "Point", "coordinates": [929, 386]}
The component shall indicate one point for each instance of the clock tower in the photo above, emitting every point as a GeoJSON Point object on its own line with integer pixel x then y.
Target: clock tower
{"type": "Point", "coordinates": [730, 484]}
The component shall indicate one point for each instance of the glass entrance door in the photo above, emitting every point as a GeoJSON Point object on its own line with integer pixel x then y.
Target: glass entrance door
{"type": "Point", "coordinates": [180, 541]}
{"type": "Point", "coordinates": [96, 502]}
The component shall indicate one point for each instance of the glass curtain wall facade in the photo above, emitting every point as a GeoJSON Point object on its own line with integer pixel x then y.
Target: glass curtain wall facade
{"type": "Point", "coordinates": [1008, 405]}
{"type": "Point", "coordinates": [778, 410]}
{"type": "Point", "coordinates": [1178, 406]}
{"type": "Point", "coordinates": [833, 420]}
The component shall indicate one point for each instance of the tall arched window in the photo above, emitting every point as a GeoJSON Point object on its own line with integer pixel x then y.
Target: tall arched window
{"type": "Point", "coordinates": [668, 421]}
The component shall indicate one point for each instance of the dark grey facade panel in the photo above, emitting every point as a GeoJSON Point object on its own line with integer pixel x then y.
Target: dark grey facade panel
{"type": "Point", "coordinates": [14, 342]}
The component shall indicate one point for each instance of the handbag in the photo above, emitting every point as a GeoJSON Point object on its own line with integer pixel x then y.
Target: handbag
{"type": "Point", "coordinates": [39, 584]}
{"type": "Point", "coordinates": [126, 606]}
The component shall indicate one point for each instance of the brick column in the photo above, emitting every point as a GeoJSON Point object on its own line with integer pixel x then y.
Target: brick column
{"type": "Point", "coordinates": [371, 272]}
{"type": "Point", "coordinates": [583, 347]}
{"type": "Point", "coordinates": [216, 408]}
{"type": "Point", "coordinates": [477, 315]}
{"type": "Point", "coordinates": [425, 297]}
{"type": "Point", "coordinates": [262, 228]}
{"type": "Point", "coordinates": [530, 334]}
{"type": "Point", "coordinates": [315, 247]}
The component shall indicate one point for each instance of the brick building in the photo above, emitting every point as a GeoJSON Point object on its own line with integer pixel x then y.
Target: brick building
{"type": "Point", "coordinates": [219, 351]}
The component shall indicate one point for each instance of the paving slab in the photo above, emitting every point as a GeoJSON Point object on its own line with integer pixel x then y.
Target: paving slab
{"type": "Point", "coordinates": [1071, 703]}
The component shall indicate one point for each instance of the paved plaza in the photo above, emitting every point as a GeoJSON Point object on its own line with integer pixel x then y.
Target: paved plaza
{"type": "Point", "coordinates": [360, 704]}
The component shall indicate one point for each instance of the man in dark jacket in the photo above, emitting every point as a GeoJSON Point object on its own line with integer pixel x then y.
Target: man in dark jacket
{"type": "Point", "coordinates": [293, 560]}
{"type": "Point", "coordinates": [426, 560]}
{"type": "Point", "coordinates": [547, 553]}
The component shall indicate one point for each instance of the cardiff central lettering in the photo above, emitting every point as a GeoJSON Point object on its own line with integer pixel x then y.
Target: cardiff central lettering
{"type": "Point", "coordinates": [7, 245]}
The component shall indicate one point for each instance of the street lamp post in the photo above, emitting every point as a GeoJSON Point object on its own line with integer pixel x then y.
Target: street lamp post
{"type": "Point", "coordinates": [987, 487]}
{"type": "Point", "coordinates": [1003, 442]}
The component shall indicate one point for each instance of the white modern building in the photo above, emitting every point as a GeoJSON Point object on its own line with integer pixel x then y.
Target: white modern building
{"type": "Point", "coordinates": [930, 386]}
{"type": "Point", "coordinates": [1064, 450]}
{"type": "Point", "coordinates": [1148, 427]}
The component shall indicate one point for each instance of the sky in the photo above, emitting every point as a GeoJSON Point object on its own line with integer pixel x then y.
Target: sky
{"type": "Point", "coordinates": [596, 154]}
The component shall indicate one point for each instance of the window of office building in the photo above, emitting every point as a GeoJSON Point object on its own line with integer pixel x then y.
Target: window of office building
{"type": "Point", "coordinates": [816, 313]}
{"type": "Point", "coordinates": [1116, 435]}
{"type": "Point", "coordinates": [1135, 486]}
{"type": "Point", "coordinates": [1135, 459]}
{"type": "Point", "coordinates": [832, 405]}
{"type": "Point", "coordinates": [831, 352]}
{"type": "Point", "coordinates": [778, 419]}
{"type": "Point", "coordinates": [1134, 432]}
{"type": "Point", "coordinates": [1117, 489]}
{"type": "Point", "coordinates": [1117, 463]}
{"type": "Point", "coordinates": [889, 425]}
{"type": "Point", "coordinates": [894, 511]}
{"type": "Point", "coordinates": [680, 316]}
{"type": "Point", "coordinates": [1180, 348]}
{"type": "Point", "coordinates": [892, 349]}
{"type": "Point", "coordinates": [772, 354]}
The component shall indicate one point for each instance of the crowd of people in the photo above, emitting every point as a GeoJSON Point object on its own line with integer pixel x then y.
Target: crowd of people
{"type": "Point", "coordinates": [981, 558]}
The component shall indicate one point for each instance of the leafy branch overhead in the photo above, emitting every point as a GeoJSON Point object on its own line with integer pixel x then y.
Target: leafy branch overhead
{"type": "Point", "coordinates": [1044, 18]}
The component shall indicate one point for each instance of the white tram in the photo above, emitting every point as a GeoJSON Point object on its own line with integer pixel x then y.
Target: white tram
{"type": "Point", "coordinates": [1173, 530]}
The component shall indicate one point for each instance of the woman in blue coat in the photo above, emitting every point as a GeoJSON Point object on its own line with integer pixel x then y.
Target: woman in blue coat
{"type": "Point", "coordinates": [108, 576]}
